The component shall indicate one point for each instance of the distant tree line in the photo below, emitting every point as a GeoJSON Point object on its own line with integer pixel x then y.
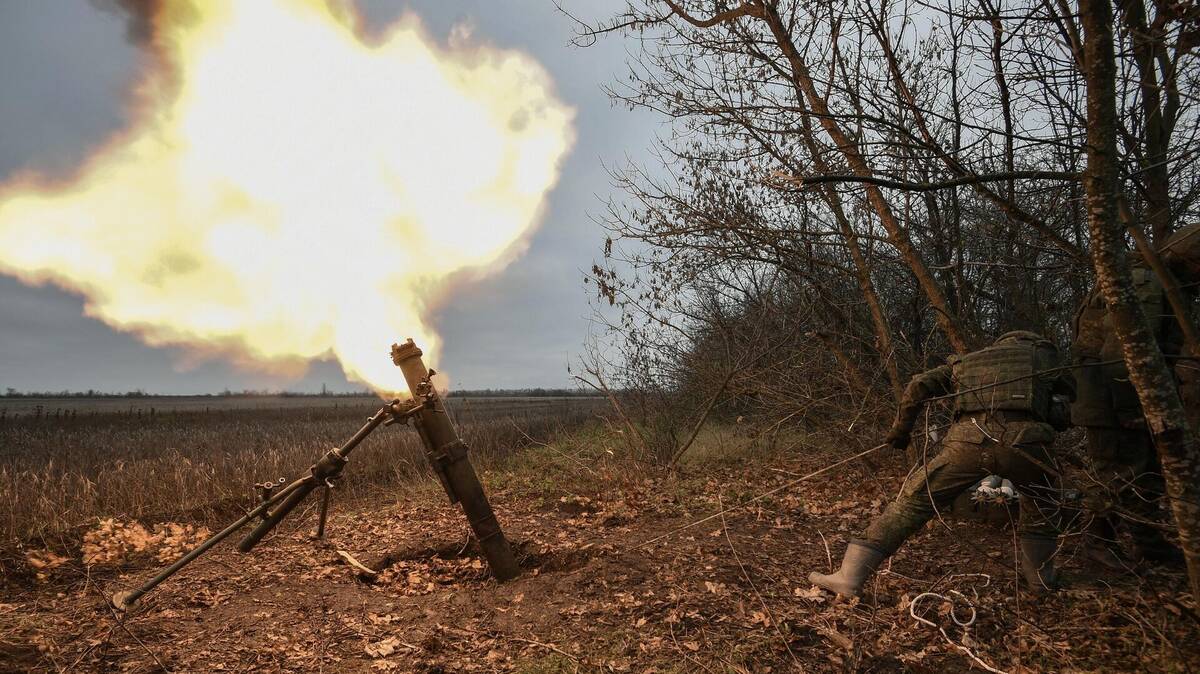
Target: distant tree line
{"type": "Point", "coordinates": [140, 393]}
{"type": "Point", "coordinates": [256, 393]}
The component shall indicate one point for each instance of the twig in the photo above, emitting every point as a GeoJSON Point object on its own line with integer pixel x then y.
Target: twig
{"type": "Point", "coordinates": [761, 602]}
{"type": "Point", "coordinates": [550, 447]}
{"type": "Point", "coordinates": [120, 620]}
{"type": "Point", "coordinates": [912, 611]}
{"type": "Point", "coordinates": [809, 181]}
{"type": "Point", "coordinates": [828, 555]}
{"type": "Point", "coordinates": [87, 580]}
{"type": "Point", "coordinates": [708, 407]}
{"type": "Point", "coordinates": [760, 497]}
{"type": "Point", "coordinates": [551, 647]}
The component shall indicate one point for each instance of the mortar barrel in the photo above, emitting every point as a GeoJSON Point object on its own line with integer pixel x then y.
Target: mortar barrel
{"type": "Point", "coordinates": [445, 446]}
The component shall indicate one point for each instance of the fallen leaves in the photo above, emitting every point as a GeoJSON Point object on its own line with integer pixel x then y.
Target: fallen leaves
{"type": "Point", "coordinates": [384, 648]}
{"type": "Point", "coordinates": [681, 605]}
{"type": "Point", "coordinates": [44, 561]}
{"type": "Point", "coordinates": [812, 593]}
{"type": "Point", "coordinates": [114, 543]}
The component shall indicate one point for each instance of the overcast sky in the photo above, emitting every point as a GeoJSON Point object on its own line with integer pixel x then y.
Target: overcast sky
{"type": "Point", "coordinates": [64, 68]}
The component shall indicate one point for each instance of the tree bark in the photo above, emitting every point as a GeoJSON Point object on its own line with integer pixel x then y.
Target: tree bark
{"type": "Point", "coordinates": [862, 268]}
{"type": "Point", "coordinates": [1148, 371]}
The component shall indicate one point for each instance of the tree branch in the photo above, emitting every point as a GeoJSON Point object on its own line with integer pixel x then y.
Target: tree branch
{"type": "Point", "coordinates": [746, 9]}
{"type": "Point", "coordinates": [810, 181]}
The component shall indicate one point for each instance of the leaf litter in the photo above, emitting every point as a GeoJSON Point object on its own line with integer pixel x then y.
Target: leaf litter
{"type": "Point", "coordinates": [592, 597]}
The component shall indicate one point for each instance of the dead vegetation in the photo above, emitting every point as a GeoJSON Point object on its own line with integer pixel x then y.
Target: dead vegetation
{"type": "Point", "coordinates": [597, 594]}
{"type": "Point", "coordinates": [61, 471]}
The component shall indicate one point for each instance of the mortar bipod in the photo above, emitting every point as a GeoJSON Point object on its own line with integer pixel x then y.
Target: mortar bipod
{"type": "Point", "coordinates": [282, 498]}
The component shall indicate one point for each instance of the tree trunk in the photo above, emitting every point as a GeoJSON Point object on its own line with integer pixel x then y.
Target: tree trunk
{"type": "Point", "coordinates": [1148, 372]}
{"type": "Point", "coordinates": [862, 268]}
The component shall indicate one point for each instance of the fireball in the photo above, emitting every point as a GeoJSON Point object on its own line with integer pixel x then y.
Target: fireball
{"type": "Point", "coordinates": [289, 190]}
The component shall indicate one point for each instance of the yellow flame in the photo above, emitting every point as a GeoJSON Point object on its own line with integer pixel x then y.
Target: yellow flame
{"type": "Point", "coordinates": [291, 191]}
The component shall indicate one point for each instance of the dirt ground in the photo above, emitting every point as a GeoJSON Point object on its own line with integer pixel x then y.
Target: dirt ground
{"type": "Point", "coordinates": [599, 593]}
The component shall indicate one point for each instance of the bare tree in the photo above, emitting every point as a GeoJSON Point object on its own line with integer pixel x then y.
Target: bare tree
{"type": "Point", "coordinates": [912, 175]}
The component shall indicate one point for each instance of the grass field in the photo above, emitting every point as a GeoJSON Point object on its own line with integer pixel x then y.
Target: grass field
{"type": "Point", "coordinates": [67, 462]}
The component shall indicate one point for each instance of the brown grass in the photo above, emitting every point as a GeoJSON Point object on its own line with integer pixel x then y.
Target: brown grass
{"type": "Point", "coordinates": [59, 472]}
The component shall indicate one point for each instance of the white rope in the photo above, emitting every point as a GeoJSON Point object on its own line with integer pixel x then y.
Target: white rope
{"type": "Point", "coordinates": [912, 611]}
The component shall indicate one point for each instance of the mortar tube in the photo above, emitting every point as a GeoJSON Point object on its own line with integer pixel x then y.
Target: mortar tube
{"type": "Point", "coordinates": [446, 447]}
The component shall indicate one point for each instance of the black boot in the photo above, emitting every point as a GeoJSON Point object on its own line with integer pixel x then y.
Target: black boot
{"type": "Point", "coordinates": [1100, 545]}
{"type": "Point", "coordinates": [858, 564]}
{"type": "Point", "coordinates": [1037, 563]}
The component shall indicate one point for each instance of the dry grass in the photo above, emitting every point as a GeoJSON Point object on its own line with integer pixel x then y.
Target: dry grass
{"type": "Point", "coordinates": [64, 471]}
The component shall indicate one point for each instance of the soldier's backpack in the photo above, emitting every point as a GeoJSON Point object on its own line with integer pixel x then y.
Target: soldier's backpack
{"type": "Point", "coordinates": [1004, 376]}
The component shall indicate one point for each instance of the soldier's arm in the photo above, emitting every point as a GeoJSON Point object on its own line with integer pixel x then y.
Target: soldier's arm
{"type": "Point", "coordinates": [924, 386]}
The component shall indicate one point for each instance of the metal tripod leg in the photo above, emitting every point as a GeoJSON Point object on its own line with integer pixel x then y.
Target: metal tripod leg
{"type": "Point", "coordinates": [324, 510]}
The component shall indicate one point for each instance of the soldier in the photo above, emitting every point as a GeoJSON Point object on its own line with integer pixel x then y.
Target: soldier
{"type": "Point", "coordinates": [1003, 414]}
{"type": "Point", "coordinates": [1128, 482]}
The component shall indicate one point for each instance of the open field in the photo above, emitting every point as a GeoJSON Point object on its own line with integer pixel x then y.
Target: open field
{"type": "Point", "coordinates": [74, 461]}
{"type": "Point", "coordinates": [15, 407]}
{"type": "Point", "coordinates": [59, 407]}
{"type": "Point", "coordinates": [615, 581]}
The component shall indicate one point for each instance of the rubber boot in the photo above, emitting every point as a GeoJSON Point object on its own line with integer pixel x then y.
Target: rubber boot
{"type": "Point", "coordinates": [860, 562]}
{"type": "Point", "coordinates": [1037, 563]}
{"type": "Point", "coordinates": [1100, 545]}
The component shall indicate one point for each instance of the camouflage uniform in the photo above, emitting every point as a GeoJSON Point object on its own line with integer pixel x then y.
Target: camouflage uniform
{"type": "Point", "coordinates": [1184, 260]}
{"type": "Point", "coordinates": [1187, 372]}
{"type": "Point", "coordinates": [1121, 449]}
{"type": "Point", "coordinates": [1001, 428]}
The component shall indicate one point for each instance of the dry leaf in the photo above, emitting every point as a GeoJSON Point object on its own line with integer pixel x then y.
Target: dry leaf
{"type": "Point", "coordinates": [382, 649]}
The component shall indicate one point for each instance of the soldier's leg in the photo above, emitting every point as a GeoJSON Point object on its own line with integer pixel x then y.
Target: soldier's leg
{"type": "Point", "coordinates": [1100, 538]}
{"type": "Point", "coordinates": [1131, 488]}
{"type": "Point", "coordinates": [1031, 470]}
{"type": "Point", "coordinates": [1142, 499]}
{"type": "Point", "coordinates": [931, 488]}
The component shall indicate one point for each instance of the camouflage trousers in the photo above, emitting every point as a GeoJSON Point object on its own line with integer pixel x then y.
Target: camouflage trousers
{"type": "Point", "coordinates": [977, 446]}
{"type": "Point", "coordinates": [1128, 477]}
